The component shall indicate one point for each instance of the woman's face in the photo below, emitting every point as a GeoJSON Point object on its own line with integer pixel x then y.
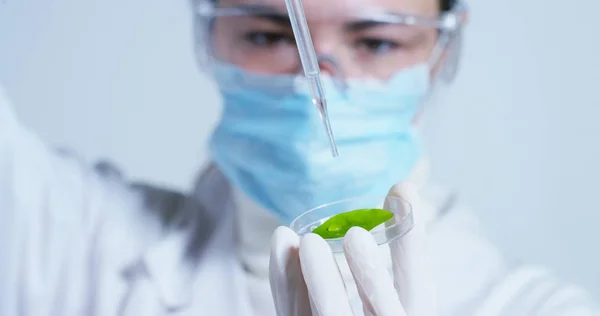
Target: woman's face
{"type": "Point", "coordinates": [265, 43]}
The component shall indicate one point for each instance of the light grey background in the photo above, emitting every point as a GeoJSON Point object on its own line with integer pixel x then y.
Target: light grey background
{"type": "Point", "coordinates": [518, 136]}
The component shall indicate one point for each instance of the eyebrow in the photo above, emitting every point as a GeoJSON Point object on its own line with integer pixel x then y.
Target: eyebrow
{"type": "Point", "coordinates": [274, 15]}
{"type": "Point", "coordinates": [364, 25]}
{"type": "Point", "coordinates": [277, 18]}
{"type": "Point", "coordinates": [267, 13]}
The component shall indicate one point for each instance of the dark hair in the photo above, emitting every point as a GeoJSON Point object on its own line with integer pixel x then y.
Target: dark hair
{"type": "Point", "coordinates": [447, 5]}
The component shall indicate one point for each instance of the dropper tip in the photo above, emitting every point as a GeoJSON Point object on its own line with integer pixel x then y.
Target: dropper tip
{"type": "Point", "coordinates": [334, 151]}
{"type": "Point", "coordinates": [332, 145]}
{"type": "Point", "coordinates": [322, 107]}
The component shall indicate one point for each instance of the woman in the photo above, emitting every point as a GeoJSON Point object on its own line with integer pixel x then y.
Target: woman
{"type": "Point", "coordinates": [78, 240]}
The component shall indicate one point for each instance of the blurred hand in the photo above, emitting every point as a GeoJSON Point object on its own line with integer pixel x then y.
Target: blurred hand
{"type": "Point", "coordinates": [305, 279]}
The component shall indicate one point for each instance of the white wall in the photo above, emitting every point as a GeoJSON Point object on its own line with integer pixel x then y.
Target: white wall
{"type": "Point", "coordinates": [117, 79]}
{"type": "Point", "coordinates": [110, 78]}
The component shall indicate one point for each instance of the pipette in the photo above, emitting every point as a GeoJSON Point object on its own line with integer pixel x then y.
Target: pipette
{"type": "Point", "coordinates": [310, 64]}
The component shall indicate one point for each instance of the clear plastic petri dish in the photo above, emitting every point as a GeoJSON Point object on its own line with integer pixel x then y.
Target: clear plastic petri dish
{"type": "Point", "coordinates": [400, 224]}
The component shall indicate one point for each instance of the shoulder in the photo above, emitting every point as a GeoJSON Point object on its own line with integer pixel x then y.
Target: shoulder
{"type": "Point", "coordinates": [157, 208]}
{"type": "Point", "coordinates": [169, 208]}
{"type": "Point", "coordinates": [476, 278]}
{"type": "Point", "coordinates": [535, 290]}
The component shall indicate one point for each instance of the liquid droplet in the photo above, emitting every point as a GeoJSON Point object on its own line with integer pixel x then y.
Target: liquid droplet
{"type": "Point", "coordinates": [334, 228]}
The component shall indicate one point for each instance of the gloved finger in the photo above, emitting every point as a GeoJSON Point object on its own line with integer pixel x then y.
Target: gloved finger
{"type": "Point", "coordinates": [375, 284]}
{"type": "Point", "coordinates": [323, 278]}
{"type": "Point", "coordinates": [285, 275]}
{"type": "Point", "coordinates": [412, 273]}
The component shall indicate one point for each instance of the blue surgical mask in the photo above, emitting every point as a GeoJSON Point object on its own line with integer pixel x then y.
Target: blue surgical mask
{"type": "Point", "coordinates": [271, 144]}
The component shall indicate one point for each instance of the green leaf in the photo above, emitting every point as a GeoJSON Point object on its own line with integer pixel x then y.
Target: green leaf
{"type": "Point", "coordinates": [337, 226]}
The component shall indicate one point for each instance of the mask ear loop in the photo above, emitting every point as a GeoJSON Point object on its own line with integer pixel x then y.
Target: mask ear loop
{"type": "Point", "coordinates": [203, 20]}
{"type": "Point", "coordinates": [338, 75]}
{"type": "Point", "coordinates": [449, 31]}
{"type": "Point", "coordinates": [436, 63]}
{"type": "Point", "coordinates": [445, 55]}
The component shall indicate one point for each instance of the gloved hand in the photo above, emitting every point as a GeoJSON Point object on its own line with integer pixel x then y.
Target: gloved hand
{"type": "Point", "coordinates": [305, 279]}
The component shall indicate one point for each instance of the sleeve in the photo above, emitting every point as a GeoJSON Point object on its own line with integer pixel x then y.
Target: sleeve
{"type": "Point", "coordinates": [532, 290]}
{"type": "Point", "coordinates": [51, 209]}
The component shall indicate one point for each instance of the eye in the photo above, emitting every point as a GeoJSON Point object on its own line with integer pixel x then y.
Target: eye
{"type": "Point", "coordinates": [268, 38]}
{"type": "Point", "coordinates": [377, 46]}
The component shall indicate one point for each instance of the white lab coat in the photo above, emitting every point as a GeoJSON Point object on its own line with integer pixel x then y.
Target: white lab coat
{"type": "Point", "coordinates": [78, 240]}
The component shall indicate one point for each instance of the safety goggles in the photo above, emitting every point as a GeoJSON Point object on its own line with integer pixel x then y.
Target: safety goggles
{"type": "Point", "coordinates": [370, 43]}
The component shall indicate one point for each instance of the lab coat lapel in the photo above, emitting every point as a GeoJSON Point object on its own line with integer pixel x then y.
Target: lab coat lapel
{"type": "Point", "coordinates": [173, 261]}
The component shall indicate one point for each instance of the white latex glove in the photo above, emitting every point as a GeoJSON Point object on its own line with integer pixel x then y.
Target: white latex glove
{"type": "Point", "coordinates": [305, 279]}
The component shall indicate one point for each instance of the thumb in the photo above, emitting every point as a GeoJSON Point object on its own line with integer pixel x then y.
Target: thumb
{"type": "Point", "coordinates": [288, 288]}
{"type": "Point", "coordinates": [412, 274]}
